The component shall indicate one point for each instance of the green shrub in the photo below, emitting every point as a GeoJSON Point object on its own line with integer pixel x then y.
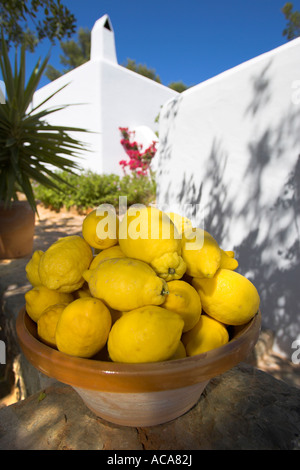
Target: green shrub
{"type": "Point", "coordinates": [89, 190]}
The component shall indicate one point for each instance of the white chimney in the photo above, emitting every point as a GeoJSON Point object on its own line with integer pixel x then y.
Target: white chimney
{"type": "Point", "coordinates": [103, 41]}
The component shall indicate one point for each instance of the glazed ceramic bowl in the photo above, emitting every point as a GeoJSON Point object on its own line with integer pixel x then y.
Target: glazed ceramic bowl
{"type": "Point", "coordinates": [137, 394]}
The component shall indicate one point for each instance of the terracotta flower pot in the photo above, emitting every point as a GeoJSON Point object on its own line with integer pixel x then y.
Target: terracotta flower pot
{"type": "Point", "coordinates": [137, 394]}
{"type": "Point", "coordinates": [16, 230]}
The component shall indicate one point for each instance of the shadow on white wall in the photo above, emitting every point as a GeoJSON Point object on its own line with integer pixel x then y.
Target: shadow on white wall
{"type": "Point", "coordinates": [232, 146]}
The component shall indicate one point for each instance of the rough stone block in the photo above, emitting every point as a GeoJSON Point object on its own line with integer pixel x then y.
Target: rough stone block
{"type": "Point", "coordinates": [243, 408]}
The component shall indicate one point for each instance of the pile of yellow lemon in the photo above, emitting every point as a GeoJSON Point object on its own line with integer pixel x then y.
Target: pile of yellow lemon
{"type": "Point", "coordinates": [147, 288]}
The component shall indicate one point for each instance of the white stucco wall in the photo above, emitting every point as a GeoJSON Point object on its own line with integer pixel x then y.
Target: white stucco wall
{"type": "Point", "coordinates": [82, 95]}
{"type": "Point", "coordinates": [232, 145]}
{"type": "Point", "coordinates": [127, 100]}
{"type": "Point", "coordinates": [111, 96]}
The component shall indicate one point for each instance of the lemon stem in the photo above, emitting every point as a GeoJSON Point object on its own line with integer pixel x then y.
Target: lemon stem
{"type": "Point", "coordinates": [164, 290]}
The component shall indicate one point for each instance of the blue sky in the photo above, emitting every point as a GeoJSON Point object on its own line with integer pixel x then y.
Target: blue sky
{"type": "Point", "coordinates": [190, 40]}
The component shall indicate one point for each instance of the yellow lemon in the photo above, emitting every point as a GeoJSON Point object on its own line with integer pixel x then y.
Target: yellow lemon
{"type": "Point", "coordinates": [84, 291]}
{"type": "Point", "coordinates": [100, 227]}
{"type": "Point", "coordinates": [46, 324]}
{"type": "Point", "coordinates": [184, 300]}
{"type": "Point", "coordinates": [62, 265]}
{"type": "Point", "coordinates": [206, 335]}
{"type": "Point", "coordinates": [147, 334]}
{"type": "Point", "coordinates": [230, 253]}
{"type": "Point", "coordinates": [32, 269]}
{"type": "Point", "coordinates": [125, 284]}
{"type": "Point", "coordinates": [39, 298]}
{"type": "Point", "coordinates": [83, 327]}
{"type": "Point", "coordinates": [149, 235]}
{"type": "Point", "coordinates": [229, 297]}
{"type": "Point", "coordinates": [180, 352]}
{"type": "Point", "coordinates": [181, 223]}
{"type": "Point", "coordinates": [201, 253]}
{"type": "Point", "coordinates": [227, 260]}
{"type": "Point", "coordinates": [108, 253]}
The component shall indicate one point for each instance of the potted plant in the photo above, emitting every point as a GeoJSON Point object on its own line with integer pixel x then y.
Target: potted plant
{"type": "Point", "coordinates": [30, 150]}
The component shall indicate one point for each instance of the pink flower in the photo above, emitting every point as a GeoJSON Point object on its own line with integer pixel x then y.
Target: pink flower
{"type": "Point", "coordinates": [139, 162]}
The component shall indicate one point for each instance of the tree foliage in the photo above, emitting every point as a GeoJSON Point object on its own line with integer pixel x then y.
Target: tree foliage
{"type": "Point", "coordinates": [178, 86]}
{"type": "Point", "coordinates": [29, 21]}
{"type": "Point", "coordinates": [75, 53]}
{"type": "Point", "coordinates": [292, 29]}
{"type": "Point", "coordinates": [142, 69]}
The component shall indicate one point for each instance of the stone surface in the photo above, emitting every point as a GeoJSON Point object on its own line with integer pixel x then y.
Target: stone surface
{"type": "Point", "coordinates": [243, 408]}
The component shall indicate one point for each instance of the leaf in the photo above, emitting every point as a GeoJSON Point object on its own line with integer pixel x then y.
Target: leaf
{"type": "Point", "coordinates": [41, 397]}
{"type": "Point", "coordinates": [30, 147]}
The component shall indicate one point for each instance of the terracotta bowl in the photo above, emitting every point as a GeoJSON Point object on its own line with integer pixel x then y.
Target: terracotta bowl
{"type": "Point", "coordinates": [137, 394]}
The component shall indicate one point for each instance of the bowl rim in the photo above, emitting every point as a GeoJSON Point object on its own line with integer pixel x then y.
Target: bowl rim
{"type": "Point", "coordinates": [111, 376]}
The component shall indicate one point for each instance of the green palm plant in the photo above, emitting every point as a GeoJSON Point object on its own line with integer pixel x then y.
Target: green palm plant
{"type": "Point", "coordinates": [30, 148]}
